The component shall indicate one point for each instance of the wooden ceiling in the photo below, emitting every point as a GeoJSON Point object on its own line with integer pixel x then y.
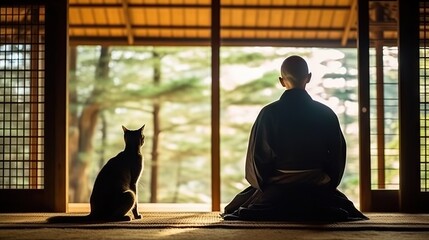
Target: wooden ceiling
{"type": "Point", "coordinates": [330, 23]}
{"type": "Point", "coordinates": [290, 23]}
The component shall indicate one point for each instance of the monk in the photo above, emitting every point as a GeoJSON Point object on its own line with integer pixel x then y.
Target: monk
{"type": "Point", "coordinates": [295, 159]}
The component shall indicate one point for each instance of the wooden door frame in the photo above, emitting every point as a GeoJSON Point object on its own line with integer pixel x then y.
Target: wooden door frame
{"type": "Point", "coordinates": [53, 196]}
{"type": "Point", "coordinates": [370, 199]}
{"type": "Point", "coordinates": [57, 100]}
{"type": "Point", "coordinates": [408, 198]}
{"type": "Point", "coordinates": [412, 199]}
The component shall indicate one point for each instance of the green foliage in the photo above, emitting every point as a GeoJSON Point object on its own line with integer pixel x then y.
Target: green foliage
{"type": "Point", "coordinates": [234, 56]}
{"type": "Point", "coordinates": [183, 92]}
{"type": "Point", "coordinates": [253, 92]}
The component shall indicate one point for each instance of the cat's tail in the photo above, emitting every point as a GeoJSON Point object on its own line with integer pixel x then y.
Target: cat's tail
{"type": "Point", "coordinates": [70, 219]}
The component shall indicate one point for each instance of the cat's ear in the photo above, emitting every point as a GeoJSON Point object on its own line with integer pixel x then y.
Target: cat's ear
{"type": "Point", "coordinates": [124, 128]}
{"type": "Point", "coordinates": [141, 129]}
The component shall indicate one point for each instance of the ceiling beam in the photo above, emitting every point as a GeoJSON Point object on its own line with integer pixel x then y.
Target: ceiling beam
{"type": "Point", "coordinates": [224, 6]}
{"type": "Point", "coordinates": [127, 22]}
{"type": "Point", "coordinates": [194, 42]}
{"type": "Point", "coordinates": [383, 26]}
{"type": "Point", "coordinates": [199, 27]}
{"type": "Point", "coordinates": [351, 22]}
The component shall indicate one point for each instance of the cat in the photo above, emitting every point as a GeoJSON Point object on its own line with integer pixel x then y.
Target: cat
{"type": "Point", "coordinates": [114, 195]}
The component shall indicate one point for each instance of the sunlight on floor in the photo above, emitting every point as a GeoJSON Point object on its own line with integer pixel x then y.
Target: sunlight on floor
{"type": "Point", "coordinates": [151, 207]}
{"type": "Point", "coordinates": [174, 231]}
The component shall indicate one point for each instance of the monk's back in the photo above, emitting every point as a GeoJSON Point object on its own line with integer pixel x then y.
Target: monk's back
{"type": "Point", "coordinates": [302, 131]}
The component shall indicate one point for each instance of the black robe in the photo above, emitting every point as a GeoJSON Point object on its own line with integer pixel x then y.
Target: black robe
{"type": "Point", "coordinates": [295, 161]}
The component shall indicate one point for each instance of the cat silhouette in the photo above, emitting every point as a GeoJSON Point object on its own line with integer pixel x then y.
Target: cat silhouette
{"type": "Point", "coordinates": [114, 195]}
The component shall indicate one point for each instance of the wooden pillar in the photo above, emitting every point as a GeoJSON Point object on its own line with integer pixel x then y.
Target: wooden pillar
{"type": "Point", "coordinates": [215, 104]}
{"type": "Point", "coordinates": [56, 77]}
{"type": "Point", "coordinates": [36, 83]}
{"type": "Point", "coordinates": [363, 89]}
{"type": "Point", "coordinates": [409, 112]}
{"type": "Point", "coordinates": [379, 68]}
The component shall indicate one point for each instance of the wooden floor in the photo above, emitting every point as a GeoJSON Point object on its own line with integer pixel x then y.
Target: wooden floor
{"type": "Point", "coordinates": [207, 234]}
{"type": "Point", "coordinates": [152, 207]}
{"type": "Point", "coordinates": [397, 226]}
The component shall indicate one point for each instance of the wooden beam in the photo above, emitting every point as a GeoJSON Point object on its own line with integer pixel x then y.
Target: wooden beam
{"type": "Point", "coordinates": [215, 102]}
{"type": "Point", "coordinates": [202, 27]}
{"type": "Point", "coordinates": [140, 26]}
{"type": "Point", "coordinates": [286, 7]}
{"type": "Point", "coordinates": [363, 45]}
{"type": "Point", "coordinates": [205, 41]}
{"type": "Point", "coordinates": [409, 108]}
{"type": "Point", "coordinates": [350, 22]}
{"type": "Point", "coordinates": [127, 22]}
{"type": "Point", "coordinates": [380, 26]}
{"type": "Point", "coordinates": [223, 6]}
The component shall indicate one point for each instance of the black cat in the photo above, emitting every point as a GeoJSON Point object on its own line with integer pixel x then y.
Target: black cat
{"type": "Point", "coordinates": [114, 194]}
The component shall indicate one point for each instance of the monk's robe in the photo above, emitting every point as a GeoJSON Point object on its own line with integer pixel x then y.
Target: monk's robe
{"type": "Point", "coordinates": [295, 161]}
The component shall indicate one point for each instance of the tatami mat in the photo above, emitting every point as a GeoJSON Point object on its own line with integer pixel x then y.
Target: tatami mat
{"type": "Point", "coordinates": [377, 221]}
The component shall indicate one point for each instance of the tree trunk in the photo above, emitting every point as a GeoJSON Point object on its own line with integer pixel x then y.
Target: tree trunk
{"type": "Point", "coordinates": [156, 131]}
{"type": "Point", "coordinates": [73, 120]}
{"type": "Point", "coordinates": [87, 126]}
{"type": "Point", "coordinates": [103, 131]}
{"type": "Point", "coordinates": [178, 182]}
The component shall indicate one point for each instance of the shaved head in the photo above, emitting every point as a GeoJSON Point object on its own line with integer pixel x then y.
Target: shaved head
{"type": "Point", "coordinates": [295, 70]}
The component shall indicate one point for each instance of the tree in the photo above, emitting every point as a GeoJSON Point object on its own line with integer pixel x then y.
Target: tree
{"type": "Point", "coordinates": [87, 122]}
{"type": "Point", "coordinates": [168, 89]}
{"type": "Point", "coordinates": [334, 81]}
{"type": "Point", "coordinates": [136, 83]}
